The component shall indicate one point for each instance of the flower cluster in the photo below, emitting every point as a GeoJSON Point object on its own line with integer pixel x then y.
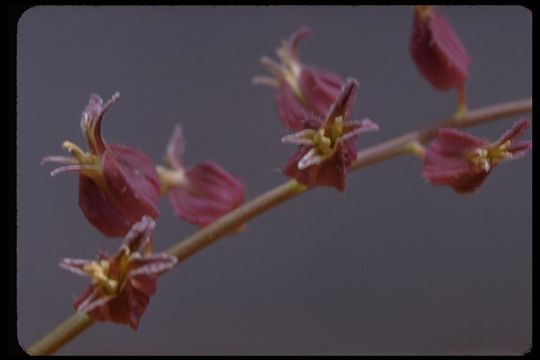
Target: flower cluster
{"type": "Point", "coordinates": [316, 105]}
{"type": "Point", "coordinates": [119, 190]}
{"type": "Point", "coordinates": [120, 187]}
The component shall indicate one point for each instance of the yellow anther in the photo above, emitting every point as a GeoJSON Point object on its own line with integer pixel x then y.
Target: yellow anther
{"type": "Point", "coordinates": [99, 272]}
{"type": "Point", "coordinates": [323, 143]}
{"type": "Point", "coordinates": [490, 155]}
{"type": "Point", "coordinates": [74, 150]}
{"type": "Point", "coordinates": [499, 153]}
{"type": "Point", "coordinates": [337, 128]}
{"type": "Point", "coordinates": [85, 158]}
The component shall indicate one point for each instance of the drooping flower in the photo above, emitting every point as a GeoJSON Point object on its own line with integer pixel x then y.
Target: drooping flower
{"type": "Point", "coordinates": [328, 145]}
{"type": "Point", "coordinates": [463, 161]}
{"type": "Point", "coordinates": [439, 53]}
{"type": "Point", "coordinates": [117, 184]}
{"type": "Point", "coordinates": [201, 194]}
{"type": "Point", "coordinates": [302, 89]}
{"type": "Point", "coordinates": [123, 283]}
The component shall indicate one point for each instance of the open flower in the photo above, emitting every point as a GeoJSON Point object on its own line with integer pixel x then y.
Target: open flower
{"type": "Point", "coordinates": [463, 161]}
{"type": "Point", "coordinates": [328, 146]}
{"type": "Point", "coordinates": [302, 90]}
{"type": "Point", "coordinates": [201, 194]}
{"type": "Point", "coordinates": [117, 184]}
{"type": "Point", "coordinates": [123, 283]}
{"type": "Point", "coordinates": [438, 52]}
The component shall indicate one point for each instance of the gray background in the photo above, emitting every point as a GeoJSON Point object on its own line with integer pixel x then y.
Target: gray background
{"type": "Point", "coordinates": [393, 266]}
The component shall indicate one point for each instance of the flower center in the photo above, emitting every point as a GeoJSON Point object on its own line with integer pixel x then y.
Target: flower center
{"type": "Point", "coordinates": [99, 273]}
{"type": "Point", "coordinates": [490, 155]}
{"type": "Point", "coordinates": [326, 138]}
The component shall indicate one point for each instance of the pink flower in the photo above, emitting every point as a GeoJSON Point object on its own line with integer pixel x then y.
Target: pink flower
{"type": "Point", "coordinates": [438, 52]}
{"type": "Point", "coordinates": [117, 184]}
{"type": "Point", "coordinates": [123, 283]}
{"type": "Point", "coordinates": [201, 194]}
{"type": "Point", "coordinates": [328, 147]}
{"type": "Point", "coordinates": [302, 90]}
{"type": "Point", "coordinates": [463, 161]}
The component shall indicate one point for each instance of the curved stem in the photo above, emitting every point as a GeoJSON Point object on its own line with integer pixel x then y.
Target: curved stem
{"type": "Point", "coordinates": [60, 335]}
{"type": "Point", "coordinates": [230, 222]}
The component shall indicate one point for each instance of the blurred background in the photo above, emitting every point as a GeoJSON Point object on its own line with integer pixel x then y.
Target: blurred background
{"type": "Point", "coordinates": [392, 266]}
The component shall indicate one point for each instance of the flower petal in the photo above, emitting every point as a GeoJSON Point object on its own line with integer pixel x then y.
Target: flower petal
{"type": "Point", "coordinates": [449, 43]}
{"type": "Point", "coordinates": [100, 211]}
{"type": "Point", "coordinates": [93, 301]}
{"type": "Point", "coordinates": [211, 193]}
{"type": "Point", "coordinates": [331, 172]}
{"type": "Point", "coordinates": [175, 148]}
{"type": "Point", "coordinates": [515, 131]}
{"type": "Point", "coordinates": [296, 38]}
{"type": "Point", "coordinates": [291, 112]}
{"type": "Point", "coordinates": [151, 264]}
{"type": "Point", "coordinates": [146, 284]}
{"type": "Point", "coordinates": [343, 103]}
{"type": "Point", "coordinates": [452, 142]}
{"type": "Point", "coordinates": [129, 190]}
{"type": "Point", "coordinates": [354, 128]}
{"type": "Point", "coordinates": [441, 169]}
{"type": "Point", "coordinates": [437, 50]}
{"type": "Point", "coordinates": [128, 307]}
{"type": "Point", "coordinates": [469, 183]}
{"type": "Point", "coordinates": [520, 149]}
{"type": "Point", "coordinates": [302, 137]}
{"type": "Point", "coordinates": [319, 89]}
{"type": "Point", "coordinates": [140, 233]}
{"type": "Point", "coordinates": [91, 121]}
{"type": "Point", "coordinates": [312, 157]}
{"type": "Point", "coordinates": [76, 266]}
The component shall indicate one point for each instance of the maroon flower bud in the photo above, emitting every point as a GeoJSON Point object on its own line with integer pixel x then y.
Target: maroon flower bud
{"type": "Point", "coordinates": [328, 147]}
{"type": "Point", "coordinates": [201, 194]}
{"type": "Point", "coordinates": [117, 184]}
{"type": "Point", "coordinates": [123, 283]}
{"type": "Point", "coordinates": [463, 161]}
{"type": "Point", "coordinates": [302, 90]}
{"type": "Point", "coordinates": [438, 52]}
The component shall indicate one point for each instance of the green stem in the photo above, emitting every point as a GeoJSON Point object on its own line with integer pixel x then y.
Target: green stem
{"type": "Point", "coordinates": [61, 335]}
{"type": "Point", "coordinates": [235, 219]}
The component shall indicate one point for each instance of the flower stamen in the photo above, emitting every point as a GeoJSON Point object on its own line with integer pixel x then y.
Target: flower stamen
{"type": "Point", "coordinates": [490, 155]}
{"type": "Point", "coordinates": [98, 273]}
